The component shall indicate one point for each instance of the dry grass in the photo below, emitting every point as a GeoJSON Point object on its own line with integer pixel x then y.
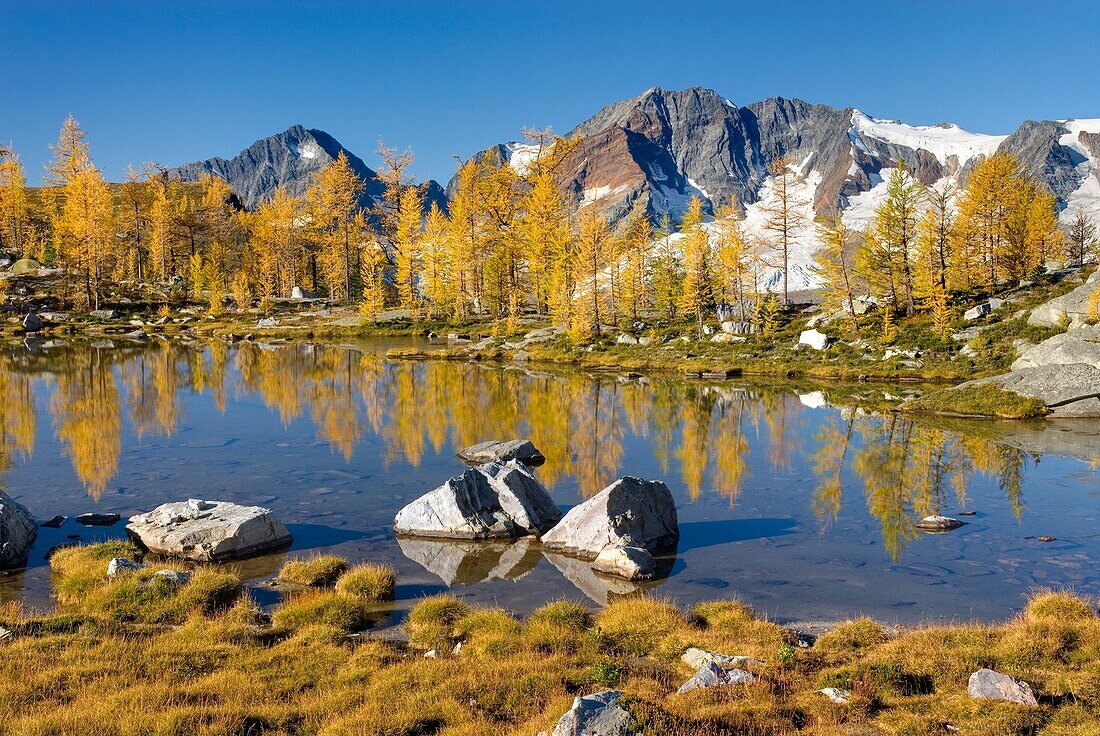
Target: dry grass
{"type": "Point", "coordinates": [368, 582]}
{"type": "Point", "coordinates": [321, 571]}
{"type": "Point", "coordinates": [124, 657]}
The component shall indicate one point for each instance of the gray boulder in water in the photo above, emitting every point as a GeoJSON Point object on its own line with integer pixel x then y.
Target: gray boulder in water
{"type": "Point", "coordinates": [630, 512]}
{"type": "Point", "coordinates": [491, 501]}
{"type": "Point", "coordinates": [987, 684]}
{"type": "Point", "coordinates": [18, 530]}
{"type": "Point", "coordinates": [496, 451]}
{"type": "Point", "coordinates": [209, 531]}
{"type": "Point", "coordinates": [598, 714]}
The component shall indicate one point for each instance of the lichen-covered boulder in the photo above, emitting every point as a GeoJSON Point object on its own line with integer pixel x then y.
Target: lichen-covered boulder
{"type": "Point", "coordinates": [491, 501]}
{"type": "Point", "coordinates": [209, 531]}
{"type": "Point", "coordinates": [18, 530]}
{"type": "Point", "coordinates": [711, 675]}
{"type": "Point", "coordinates": [1072, 307]}
{"type": "Point", "coordinates": [496, 451]}
{"type": "Point", "coordinates": [1078, 345]}
{"type": "Point", "coordinates": [987, 684]}
{"type": "Point", "coordinates": [630, 512]}
{"type": "Point", "coordinates": [598, 714]}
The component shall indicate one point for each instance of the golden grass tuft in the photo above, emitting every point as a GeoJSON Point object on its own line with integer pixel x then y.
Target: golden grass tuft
{"type": "Point", "coordinates": [320, 607]}
{"type": "Point", "coordinates": [321, 571]}
{"type": "Point", "coordinates": [1056, 606]}
{"type": "Point", "coordinates": [432, 622]}
{"type": "Point", "coordinates": [368, 582]}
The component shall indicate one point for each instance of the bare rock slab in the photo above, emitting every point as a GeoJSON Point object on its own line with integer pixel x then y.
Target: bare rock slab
{"type": "Point", "coordinates": [491, 501]}
{"type": "Point", "coordinates": [711, 675]}
{"type": "Point", "coordinates": [697, 659]}
{"type": "Point", "coordinates": [630, 512]}
{"type": "Point", "coordinates": [987, 684]}
{"type": "Point", "coordinates": [598, 714]}
{"type": "Point", "coordinates": [209, 531]}
{"type": "Point", "coordinates": [1069, 390]}
{"type": "Point", "coordinates": [496, 451]}
{"type": "Point", "coordinates": [18, 530]}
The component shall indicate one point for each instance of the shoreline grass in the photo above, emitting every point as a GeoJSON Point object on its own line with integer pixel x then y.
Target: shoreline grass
{"type": "Point", "coordinates": [97, 667]}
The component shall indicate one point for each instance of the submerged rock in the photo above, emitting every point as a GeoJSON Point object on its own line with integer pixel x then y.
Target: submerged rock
{"type": "Point", "coordinates": [497, 451]}
{"type": "Point", "coordinates": [711, 675]}
{"type": "Point", "coordinates": [209, 531]}
{"type": "Point", "coordinates": [492, 501]}
{"type": "Point", "coordinates": [937, 523]}
{"type": "Point", "coordinates": [18, 530]}
{"type": "Point", "coordinates": [632, 563]}
{"type": "Point", "coordinates": [94, 519]}
{"type": "Point", "coordinates": [598, 714]}
{"type": "Point", "coordinates": [987, 684]}
{"type": "Point", "coordinates": [630, 512]}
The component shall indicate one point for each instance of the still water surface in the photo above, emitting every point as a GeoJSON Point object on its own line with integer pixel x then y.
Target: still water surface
{"type": "Point", "coordinates": [789, 498]}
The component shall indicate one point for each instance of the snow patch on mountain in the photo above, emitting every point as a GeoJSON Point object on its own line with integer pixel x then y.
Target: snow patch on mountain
{"type": "Point", "coordinates": [1086, 198]}
{"type": "Point", "coordinates": [521, 155]}
{"type": "Point", "coordinates": [861, 207]}
{"type": "Point", "coordinates": [942, 141]}
{"type": "Point", "coordinates": [591, 196]}
{"type": "Point", "coordinates": [805, 243]}
{"type": "Point", "coordinates": [309, 150]}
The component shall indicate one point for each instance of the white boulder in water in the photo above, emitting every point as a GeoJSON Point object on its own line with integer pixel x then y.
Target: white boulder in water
{"type": "Point", "coordinates": [630, 512]}
{"type": "Point", "coordinates": [491, 501]}
{"type": "Point", "coordinates": [209, 531]}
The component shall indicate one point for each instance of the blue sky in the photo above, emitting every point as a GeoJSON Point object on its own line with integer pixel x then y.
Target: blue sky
{"type": "Point", "coordinates": [180, 81]}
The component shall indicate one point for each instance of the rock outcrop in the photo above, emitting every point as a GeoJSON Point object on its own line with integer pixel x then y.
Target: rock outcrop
{"type": "Point", "coordinates": [628, 513]}
{"type": "Point", "coordinates": [987, 684]}
{"type": "Point", "coordinates": [598, 714]}
{"type": "Point", "coordinates": [1071, 308]}
{"type": "Point", "coordinates": [497, 451]}
{"type": "Point", "coordinates": [208, 531]}
{"type": "Point", "coordinates": [18, 530]}
{"type": "Point", "coordinates": [697, 658]}
{"type": "Point", "coordinates": [1068, 390]}
{"type": "Point", "coordinates": [1077, 345]}
{"type": "Point", "coordinates": [492, 501]}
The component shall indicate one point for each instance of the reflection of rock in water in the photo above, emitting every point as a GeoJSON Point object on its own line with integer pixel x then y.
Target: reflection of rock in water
{"type": "Point", "coordinates": [467, 562]}
{"type": "Point", "coordinates": [604, 588]}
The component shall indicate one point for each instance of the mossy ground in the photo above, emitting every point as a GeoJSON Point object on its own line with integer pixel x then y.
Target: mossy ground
{"type": "Point", "coordinates": [220, 665]}
{"type": "Point", "coordinates": [978, 400]}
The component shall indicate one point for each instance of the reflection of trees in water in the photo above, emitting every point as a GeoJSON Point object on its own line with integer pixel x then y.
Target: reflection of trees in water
{"type": "Point", "coordinates": [698, 433]}
{"type": "Point", "coordinates": [907, 470]}
{"type": "Point", "coordinates": [87, 415]}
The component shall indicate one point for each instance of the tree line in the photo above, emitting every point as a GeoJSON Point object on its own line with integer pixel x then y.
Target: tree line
{"type": "Point", "coordinates": [515, 238]}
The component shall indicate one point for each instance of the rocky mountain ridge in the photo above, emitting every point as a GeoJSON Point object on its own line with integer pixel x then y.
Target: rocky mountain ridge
{"type": "Point", "coordinates": [662, 147]}
{"type": "Point", "coordinates": [288, 159]}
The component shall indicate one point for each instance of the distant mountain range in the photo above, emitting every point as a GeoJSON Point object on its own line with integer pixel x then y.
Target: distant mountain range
{"type": "Point", "coordinates": [289, 159]}
{"type": "Point", "coordinates": [662, 147]}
